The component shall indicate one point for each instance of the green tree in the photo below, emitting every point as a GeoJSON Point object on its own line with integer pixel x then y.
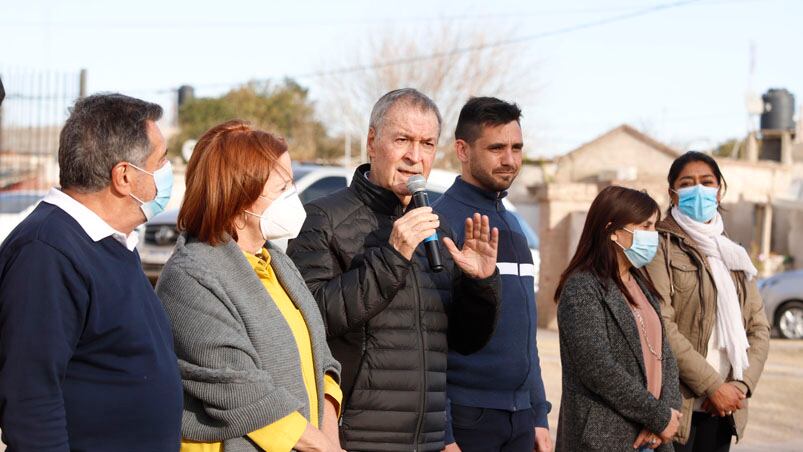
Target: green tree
{"type": "Point", "coordinates": [726, 148]}
{"type": "Point", "coordinates": [284, 109]}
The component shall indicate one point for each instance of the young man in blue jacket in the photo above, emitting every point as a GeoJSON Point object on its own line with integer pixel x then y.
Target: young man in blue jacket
{"type": "Point", "coordinates": [497, 394]}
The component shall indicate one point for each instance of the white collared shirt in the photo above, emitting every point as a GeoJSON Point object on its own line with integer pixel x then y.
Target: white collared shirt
{"type": "Point", "coordinates": [92, 224]}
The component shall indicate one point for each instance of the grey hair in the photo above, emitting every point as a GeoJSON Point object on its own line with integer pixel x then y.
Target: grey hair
{"type": "Point", "coordinates": [409, 96]}
{"type": "Point", "coordinates": [102, 131]}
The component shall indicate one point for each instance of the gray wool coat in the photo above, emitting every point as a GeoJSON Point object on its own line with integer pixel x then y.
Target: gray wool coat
{"type": "Point", "coordinates": [238, 358]}
{"type": "Point", "coordinates": [605, 402]}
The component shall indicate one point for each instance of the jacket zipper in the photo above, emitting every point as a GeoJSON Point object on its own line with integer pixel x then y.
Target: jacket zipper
{"type": "Point", "coordinates": [702, 345]}
{"type": "Point", "coordinates": [423, 373]}
{"type": "Point", "coordinates": [529, 315]}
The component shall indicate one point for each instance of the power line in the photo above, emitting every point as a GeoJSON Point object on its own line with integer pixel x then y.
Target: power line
{"type": "Point", "coordinates": [290, 23]}
{"type": "Point", "coordinates": [475, 48]}
{"type": "Point", "coordinates": [505, 42]}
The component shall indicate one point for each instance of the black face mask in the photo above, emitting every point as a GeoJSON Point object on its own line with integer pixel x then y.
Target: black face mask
{"type": "Point", "coordinates": [2, 92]}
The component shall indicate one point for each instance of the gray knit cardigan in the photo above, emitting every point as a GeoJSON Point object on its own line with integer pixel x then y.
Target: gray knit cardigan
{"type": "Point", "coordinates": [239, 362]}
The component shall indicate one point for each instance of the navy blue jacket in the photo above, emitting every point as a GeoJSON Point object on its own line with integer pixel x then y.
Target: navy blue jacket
{"type": "Point", "coordinates": [506, 373]}
{"type": "Point", "coordinates": [86, 351]}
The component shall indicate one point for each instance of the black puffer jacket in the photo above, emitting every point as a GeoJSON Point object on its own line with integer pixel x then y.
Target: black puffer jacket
{"type": "Point", "coordinates": [389, 321]}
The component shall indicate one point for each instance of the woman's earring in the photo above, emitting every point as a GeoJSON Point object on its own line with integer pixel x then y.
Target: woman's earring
{"type": "Point", "coordinates": [245, 220]}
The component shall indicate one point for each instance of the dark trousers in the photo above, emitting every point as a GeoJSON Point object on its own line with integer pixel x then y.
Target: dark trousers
{"type": "Point", "coordinates": [489, 430]}
{"type": "Point", "coordinates": [708, 434]}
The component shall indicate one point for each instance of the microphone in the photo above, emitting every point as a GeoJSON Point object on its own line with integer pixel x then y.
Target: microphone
{"type": "Point", "coordinates": [2, 92]}
{"type": "Point", "coordinates": [417, 186]}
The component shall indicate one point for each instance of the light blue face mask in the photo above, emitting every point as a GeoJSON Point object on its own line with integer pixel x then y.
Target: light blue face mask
{"type": "Point", "coordinates": [163, 178]}
{"type": "Point", "coordinates": [642, 250]}
{"type": "Point", "coordinates": [698, 202]}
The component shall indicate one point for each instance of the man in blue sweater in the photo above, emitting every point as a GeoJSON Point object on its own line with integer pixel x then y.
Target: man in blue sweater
{"type": "Point", "coordinates": [497, 394]}
{"type": "Point", "coordinates": [86, 351]}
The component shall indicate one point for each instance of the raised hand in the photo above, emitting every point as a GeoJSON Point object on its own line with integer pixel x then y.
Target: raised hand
{"type": "Point", "coordinates": [478, 257]}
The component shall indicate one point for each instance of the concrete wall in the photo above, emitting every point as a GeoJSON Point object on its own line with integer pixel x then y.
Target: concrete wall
{"type": "Point", "coordinates": [795, 236]}
{"type": "Point", "coordinates": [562, 207]}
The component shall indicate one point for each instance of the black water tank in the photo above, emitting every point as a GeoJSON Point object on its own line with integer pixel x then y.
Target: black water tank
{"type": "Point", "coordinates": [779, 110]}
{"type": "Point", "coordinates": [185, 93]}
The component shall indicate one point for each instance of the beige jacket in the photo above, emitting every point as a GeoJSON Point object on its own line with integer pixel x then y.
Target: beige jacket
{"type": "Point", "coordinates": [683, 278]}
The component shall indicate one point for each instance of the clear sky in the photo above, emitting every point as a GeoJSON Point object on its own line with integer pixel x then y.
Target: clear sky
{"type": "Point", "coordinates": [680, 74]}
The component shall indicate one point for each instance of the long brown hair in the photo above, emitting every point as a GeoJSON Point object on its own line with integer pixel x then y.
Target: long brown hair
{"type": "Point", "coordinates": [614, 208]}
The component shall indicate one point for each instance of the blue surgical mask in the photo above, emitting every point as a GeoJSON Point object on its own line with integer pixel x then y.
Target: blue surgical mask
{"type": "Point", "coordinates": [163, 178]}
{"type": "Point", "coordinates": [642, 250]}
{"type": "Point", "coordinates": [698, 202]}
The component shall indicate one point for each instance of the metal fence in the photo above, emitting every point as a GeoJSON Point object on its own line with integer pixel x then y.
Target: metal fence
{"type": "Point", "coordinates": [36, 106]}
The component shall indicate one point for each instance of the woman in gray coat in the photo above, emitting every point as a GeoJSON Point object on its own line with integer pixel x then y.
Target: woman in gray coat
{"type": "Point", "coordinates": [256, 368]}
{"type": "Point", "coordinates": [620, 380]}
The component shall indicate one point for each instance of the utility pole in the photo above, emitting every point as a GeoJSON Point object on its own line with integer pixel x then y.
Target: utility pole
{"type": "Point", "coordinates": [82, 84]}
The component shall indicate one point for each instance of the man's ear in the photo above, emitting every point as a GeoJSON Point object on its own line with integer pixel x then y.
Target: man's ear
{"type": "Point", "coordinates": [370, 144]}
{"type": "Point", "coordinates": [461, 148]}
{"type": "Point", "coordinates": [121, 179]}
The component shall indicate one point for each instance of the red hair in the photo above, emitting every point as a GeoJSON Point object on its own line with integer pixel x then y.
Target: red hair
{"type": "Point", "coordinates": [225, 175]}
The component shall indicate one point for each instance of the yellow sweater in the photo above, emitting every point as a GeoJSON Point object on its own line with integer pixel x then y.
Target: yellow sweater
{"type": "Point", "coordinates": [283, 434]}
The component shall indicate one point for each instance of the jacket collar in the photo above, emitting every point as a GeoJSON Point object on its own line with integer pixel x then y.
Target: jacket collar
{"type": "Point", "coordinates": [375, 197]}
{"type": "Point", "coordinates": [620, 308]}
{"type": "Point", "coordinates": [670, 227]}
{"type": "Point", "coordinates": [228, 259]}
{"type": "Point", "coordinates": [475, 196]}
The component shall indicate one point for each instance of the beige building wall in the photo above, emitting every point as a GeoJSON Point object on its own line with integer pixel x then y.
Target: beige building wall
{"type": "Point", "coordinates": [561, 208]}
{"type": "Point", "coordinates": [617, 155]}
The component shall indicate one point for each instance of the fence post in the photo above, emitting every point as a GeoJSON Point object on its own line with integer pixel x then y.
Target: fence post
{"type": "Point", "coordinates": [82, 86]}
{"type": "Point", "coordinates": [2, 96]}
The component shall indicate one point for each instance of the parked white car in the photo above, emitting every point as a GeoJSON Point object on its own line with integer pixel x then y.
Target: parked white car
{"type": "Point", "coordinates": [312, 181]}
{"type": "Point", "coordinates": [783, 302]}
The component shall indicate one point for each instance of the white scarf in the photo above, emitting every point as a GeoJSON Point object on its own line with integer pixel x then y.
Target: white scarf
{"type": "Point", "coordinates": [723, 256]}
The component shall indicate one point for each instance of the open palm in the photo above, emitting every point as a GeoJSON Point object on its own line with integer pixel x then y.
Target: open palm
{"type": "Point", "coordinates": [478, 256]}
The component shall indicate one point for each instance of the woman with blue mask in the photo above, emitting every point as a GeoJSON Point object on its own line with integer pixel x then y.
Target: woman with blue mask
{"type": "Point", "coordinates": [620, 379]}
{"type": "Point", "coordinates": [711, 307]}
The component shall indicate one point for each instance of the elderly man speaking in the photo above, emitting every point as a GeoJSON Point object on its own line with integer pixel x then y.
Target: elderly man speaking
{"type": "Point", "coordinates": [390, 319]}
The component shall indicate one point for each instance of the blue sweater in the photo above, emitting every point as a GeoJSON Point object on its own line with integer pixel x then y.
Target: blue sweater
{"type": "Point", "coordinates": [86, 351]}
{"type": "Point", "coordinates": [506, 373]}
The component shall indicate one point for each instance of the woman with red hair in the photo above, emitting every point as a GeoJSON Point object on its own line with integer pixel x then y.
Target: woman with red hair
{"type": "Point", "coordinates": [256, 368]}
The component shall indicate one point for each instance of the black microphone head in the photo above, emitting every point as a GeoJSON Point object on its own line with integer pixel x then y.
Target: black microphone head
{"type": "Point", "coordinates": [2, 92]}
{"type": "Point", "coordinates": [416, 183]}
